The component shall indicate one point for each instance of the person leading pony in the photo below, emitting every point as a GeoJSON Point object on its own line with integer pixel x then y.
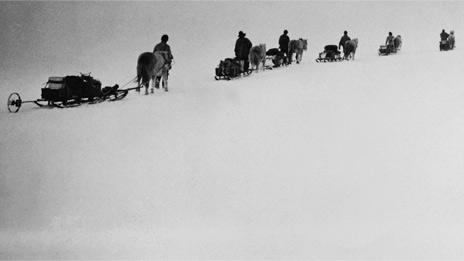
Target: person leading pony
{"type": "Point", "coordinates": [164, 50]}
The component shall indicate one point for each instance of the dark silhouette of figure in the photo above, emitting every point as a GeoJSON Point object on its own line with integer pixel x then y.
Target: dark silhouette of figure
{"type": "Point", "coordinates": [343, 40]}
{"type": "Point", "coordinates": [390, 42]}
{"type": "Point", "coordinates": [284, 41]}
{"type": "Point", "coordinates": [242, 50]}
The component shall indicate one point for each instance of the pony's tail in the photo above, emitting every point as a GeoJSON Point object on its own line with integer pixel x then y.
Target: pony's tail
{"type": "Point", "coordinates": [138, 74]}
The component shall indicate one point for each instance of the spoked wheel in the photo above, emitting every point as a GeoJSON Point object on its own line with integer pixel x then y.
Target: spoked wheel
{"type": "Point", "coordinates": [14, 102]}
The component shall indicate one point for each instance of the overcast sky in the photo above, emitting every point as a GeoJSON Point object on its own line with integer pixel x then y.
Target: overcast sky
{"type": "Point", "coordinates": [41, 39]}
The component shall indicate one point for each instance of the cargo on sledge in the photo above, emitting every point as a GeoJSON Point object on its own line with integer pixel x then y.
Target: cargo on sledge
{"type": "Point", "coordinates": [230, 68]}
{"type": "Point", "coordinates": [446, 45]}
{"type": "Point", "coordinates": [70, 91]}
{"type": "Point", "coordinates": [330, 54]}
{"type": "Point", "coordinates": [387, 50]}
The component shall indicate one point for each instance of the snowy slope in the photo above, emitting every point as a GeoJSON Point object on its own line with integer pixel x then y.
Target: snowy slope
{"type": "Point", "coordinates": [359, 159]}
{"type": "Point", "coordinates": [286, 163]}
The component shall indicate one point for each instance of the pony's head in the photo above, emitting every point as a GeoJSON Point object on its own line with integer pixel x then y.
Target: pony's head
{"type": "Point", "coordinates": [258, 50]}
{"type": "Point", "coordinates": [354, 41]}
{"type": "Point", "coordinates": [257, 54]}
{"type": "Point", "coordinates": [303, 43]}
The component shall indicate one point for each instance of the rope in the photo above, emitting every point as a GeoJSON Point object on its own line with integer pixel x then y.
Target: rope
{"type": "Point", "coordinates": [130, 81]}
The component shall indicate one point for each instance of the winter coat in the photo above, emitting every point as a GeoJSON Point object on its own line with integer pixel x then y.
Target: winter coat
{"type": "Point", "coordinates": [343, 40]}
{"type": "Point", "coordinates": [242, 48]}
{"type": "Point", "coordinates": [284, 40]}
{"type": "Point", "coordinates": [390, 40]}
{"type": "Point", "coordinates": [444, 36]}
{"type": "Point", "coordinates": [164, 47]}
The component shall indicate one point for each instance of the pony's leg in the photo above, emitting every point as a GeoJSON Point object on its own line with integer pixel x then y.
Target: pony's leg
{"type": "Point", "coordinates": [153, 82]}
{"type": "Point", "coordinates": [146, 85]}
{"type": "Point", "coordinates": [165, 82]}
{"type": "Point", "coordinates": [139, 78]}
{"type": "Point", "coordinates": [157, 81]}
{"type": "Point", "coordinates": [139, 84]}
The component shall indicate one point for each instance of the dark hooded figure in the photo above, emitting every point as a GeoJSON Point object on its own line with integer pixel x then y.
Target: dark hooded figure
{"type": "Point", "coordinates": [343, 40]}
{"type": "Point", "coordinates": [165, 49]}
{"type": "Point", "coordinates": [242, 50]}
{"type": "Point", "coordinates": [444, 35]}
{"type": "Point", "coordinates": [284, 40]}
{"type": "Point", "coordinates": [390, 39]}
{"type": "Point", "coordinates": [390, 42]}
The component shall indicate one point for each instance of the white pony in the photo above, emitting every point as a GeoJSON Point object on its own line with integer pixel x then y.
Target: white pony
{"type": "Point", "coordinates": [257, 56]}
{"type": "Point", "coordinates": [297, 47]}
{"type": "Point", "coordinates": [350, 48]}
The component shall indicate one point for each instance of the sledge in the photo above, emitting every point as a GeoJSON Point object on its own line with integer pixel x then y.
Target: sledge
{"type": "Point", "coordinates": [445, 45]}
{"type": "Point", "coordinates": [330, 54]}
{"type": "Point", "coordinates": [229, 69]}
{"type": "Point", "coordinates": [387, 50]}
{"type": "Point", "coordinates": [70, 91]}
{"type": "Point", "coordinates": [277, 58]}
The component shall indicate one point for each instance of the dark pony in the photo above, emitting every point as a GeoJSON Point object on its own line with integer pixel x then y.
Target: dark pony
{"type": "Point", "coordinates": [152, 67]}
{"type": "Point", "coordinates": [398, 42]}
